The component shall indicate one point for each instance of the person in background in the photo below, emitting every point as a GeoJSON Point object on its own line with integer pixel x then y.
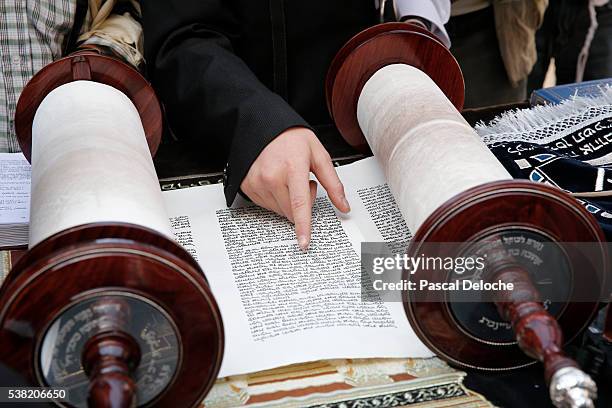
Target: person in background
{"type": "Point", "coordinates": [494, 43]}
{"type": "Point", "coordinates": [35, 33]}
{"type": "Point", "coordinates": [248, 76]}
{"type": "Point", "coordinates": [578, 35]}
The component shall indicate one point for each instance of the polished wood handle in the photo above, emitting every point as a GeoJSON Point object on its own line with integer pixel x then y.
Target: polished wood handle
{"type": "Point", "coordinates": [109, 360]}
{"type": "Point", "coordinates": [537, 332]}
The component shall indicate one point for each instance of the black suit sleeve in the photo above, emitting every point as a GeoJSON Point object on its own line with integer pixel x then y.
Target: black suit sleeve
{"type": "Point", "coordinates": [208, 91]}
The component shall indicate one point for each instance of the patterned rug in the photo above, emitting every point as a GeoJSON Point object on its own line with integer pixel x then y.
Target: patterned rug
{"type": "Point", "coordinates": [371, 383]}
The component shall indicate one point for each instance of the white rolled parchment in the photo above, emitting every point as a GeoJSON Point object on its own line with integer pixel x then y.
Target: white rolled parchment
{"type": "Point", "coordinates": [427, 151]}
{"type": "Point", "coordinates": [91, 163]}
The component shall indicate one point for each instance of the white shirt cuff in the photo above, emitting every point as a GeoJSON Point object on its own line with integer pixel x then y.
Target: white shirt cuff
{"type": "Point", "coordinates": [437, 12]}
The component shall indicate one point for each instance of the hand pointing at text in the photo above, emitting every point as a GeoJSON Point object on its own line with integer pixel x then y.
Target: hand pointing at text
{"type": "Point", "coordinates": [279, 179]}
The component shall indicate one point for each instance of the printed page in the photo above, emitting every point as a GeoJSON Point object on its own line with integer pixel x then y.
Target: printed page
{"type": "Point", "coordinates": [14, 200]}
{"type": "Point", "coordinates": [281, 305]}
{"type": "Point", "coordinates": [14, 189]}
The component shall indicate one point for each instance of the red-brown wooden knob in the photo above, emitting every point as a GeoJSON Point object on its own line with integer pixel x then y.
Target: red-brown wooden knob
{"type": "Point", "coordinates": [109, 360]}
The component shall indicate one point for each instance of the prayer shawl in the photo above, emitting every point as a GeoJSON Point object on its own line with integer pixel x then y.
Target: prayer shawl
{"type": "Point", "coordinates": [111, 23]}
{"type": "Point", "coordinates": [568, 146]}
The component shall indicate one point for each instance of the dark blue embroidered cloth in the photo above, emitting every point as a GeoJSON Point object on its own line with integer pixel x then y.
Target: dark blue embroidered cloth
{"type": "Point", "coordinates": [568, 146]}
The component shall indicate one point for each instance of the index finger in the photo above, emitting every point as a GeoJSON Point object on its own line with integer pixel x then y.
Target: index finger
{"type": "Point", "coordinates": [301, 205]}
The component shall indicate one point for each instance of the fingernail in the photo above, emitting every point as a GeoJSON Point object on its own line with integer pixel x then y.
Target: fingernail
{"type": "Point", "coordinates": [303, 243]}
{"type": "Point", "coordinates": [346, 204]}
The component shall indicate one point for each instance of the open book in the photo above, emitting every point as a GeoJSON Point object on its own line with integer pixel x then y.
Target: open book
{"type": "Point", "coordinates": [281, 305]}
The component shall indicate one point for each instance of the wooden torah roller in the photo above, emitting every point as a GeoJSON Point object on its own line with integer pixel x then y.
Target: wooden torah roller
{"type": "Point", "coordinates": [105, 304]}
{"type": "Point", "coordinates": [395, 89]}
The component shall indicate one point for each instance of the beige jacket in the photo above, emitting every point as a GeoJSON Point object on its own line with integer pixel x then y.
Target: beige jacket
{"type": "Point", "coordinates": [516, 23]}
